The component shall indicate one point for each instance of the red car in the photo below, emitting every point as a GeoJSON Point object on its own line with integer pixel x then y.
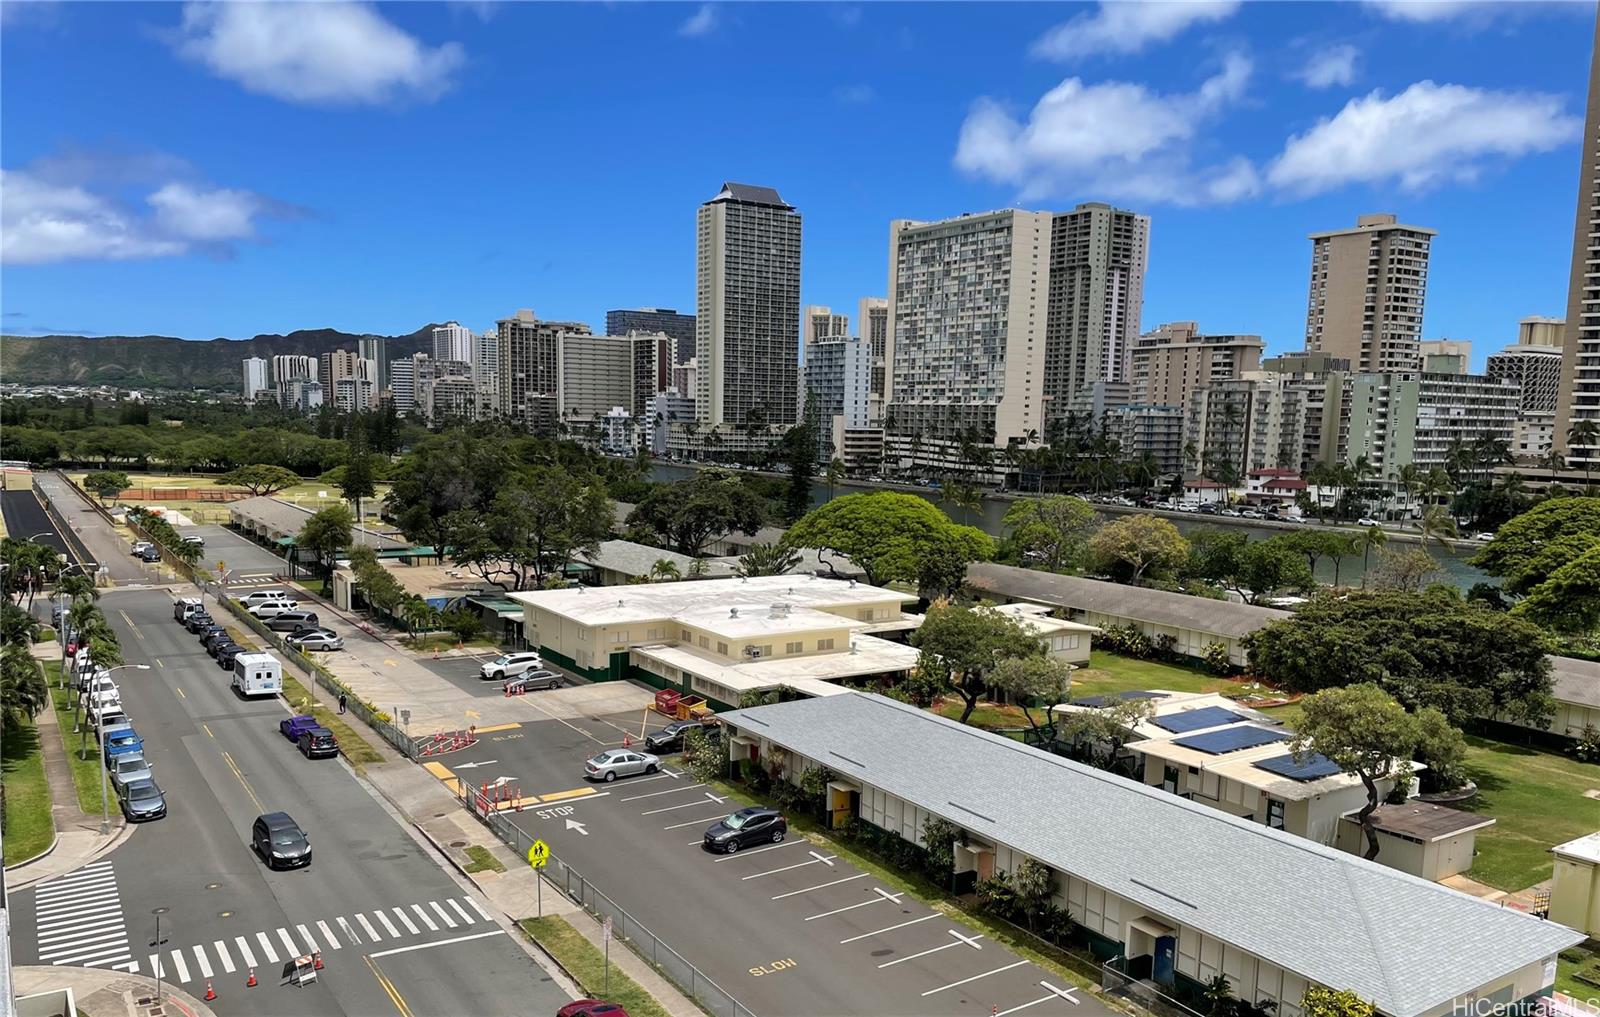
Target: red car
{"type": "Point", "coordinates": [591, 1008]}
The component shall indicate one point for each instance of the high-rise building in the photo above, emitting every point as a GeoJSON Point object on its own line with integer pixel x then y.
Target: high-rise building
{"type": "Point", "coordinates": [1579, 397]}
{"type": "Point", "coordinates": [1320, 377]}
{"type": "Point", "coordinates": [289, 371]}
{"type": "Point", "coordinates": [1534, 365]}
{"type": "Point", "coordinates": [1444, 356]}
{"type": "Point", "coordinates": [530, 376]}
{"type": "Point", "coordinates": [404, 375]}
{"type": "Point", "coordinates": [685, 377]}
{"type": "Point", "coordinates": [303, 395]}
{"type": "Point", "coordinates": [1368, 285]}
{"type": "Point", "coordinates": [656, 319]}
{"type": "Point", "coordinates": [1156, 431]}
{"type": "Point", "coordinates": [447, 390]}
{"type": "Point", "coordinates": [375, 350]}
{"type": "Point", "coordinates": [821, 323]}
{"type": "Point", "coordinates": [486, 371]}
{"type": "Point", "coordinates": [1237, 426]}
{"type": "Point", "coordinates": [872, 315]}
{"type": "Point", "coordinates": [1097, 258]}
{"type": "Point", "coordinates": [355, 393]}
{"type": "Point", "coordinates": [1415, 418]}
{"type": "Point", "coordinates": [1174, 359]}
{"type": "Point", "coordinates": [599, 372]}
{"type": "Point", "coordinates": [838, 389]}
{"type": "Point", "coordinates": [255, 378]}
{"type": "Point", "coordinates": [748, 303]}
{"type": "Point", "coordinates": [966, 340]}
{"type": "Point", "coordinates": [453, 341]}
{"type": "Point", "coordinates": [338, 364]}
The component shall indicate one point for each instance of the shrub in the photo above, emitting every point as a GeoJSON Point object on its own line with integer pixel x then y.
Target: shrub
{"type": "Point", "coordinates": [1587, 748]}
{"type": "Point", "coordinates": [703, 756]}
{"type": "Point", "coordinates": [463, 623]}
{"type": "Point", "coordinates": [1216, 657]}
{"type": "Point", "coordinates": [998, 897]}
{"type": "Point", "coordinates": [940, 836]}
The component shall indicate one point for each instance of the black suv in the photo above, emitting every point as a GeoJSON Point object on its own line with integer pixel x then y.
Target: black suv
{"type": "Point", "coordinates": [279, 841]}
{"type": "Point", "coordinates": [318, 743]}
{"type": "Point", "coordinates": [198, 621]}
{"type": "Point", "coordinates": [227, 653]}
{"type": "Point", "coordinates": [670, 738]}
{"type": "Point", "coordinates": [746, 827]}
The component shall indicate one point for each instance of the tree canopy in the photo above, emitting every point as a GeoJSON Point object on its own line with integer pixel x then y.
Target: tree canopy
{"type": "Point", "coordinates": [1257, 570]}
{"type": "Point", "coordinates": [323, 536]}
{"type": "Point", "coordinates": [893, 537]}
{"type": "Point", "coordinates": [1138, 547]}
{"type": "Point", "coordinates": [1052, 532]}
{"type": "Point", "coordinates": [1426, 649]}
{"type": "Point", "coordinates": [260, 479]}
{"type": "Point", "coordinates": [533, 526]}
{"type": "Point", "coordinates": [688, 514]}
{"type": "Point", "coordinates": [106, 483]}
{"type": "Point", "coordinates": [964, 646]}
{"type": "Point", "coordinates": [1550, 555]}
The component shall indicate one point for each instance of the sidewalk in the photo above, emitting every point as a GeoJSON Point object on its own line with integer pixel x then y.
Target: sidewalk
{"type": "Point", "coordinates": [101, 993]}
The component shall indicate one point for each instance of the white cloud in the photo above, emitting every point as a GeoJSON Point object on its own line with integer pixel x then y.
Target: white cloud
{"type": "Point", "coordinates": [77, 208]}
{"type": "Point", "coordinates": [1429, 134]}
{"type": "Point", "coordinates": [1123, 26]}
{"type": "Point", "coordinates": [317, 53]}
{"type": "Point", "coordinates": [1114, 138]}
{"type": "Point", "coordinates": [1431, 10]}
{"type": "Point", "coordinates": [701, 22]}
{"type": "Point", "coordinates": [1335, 65]}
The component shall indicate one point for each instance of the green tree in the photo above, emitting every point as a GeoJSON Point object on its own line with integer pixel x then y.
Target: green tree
{"type": "Point", "coordinates": [891, 537]}
{"type": "Point", "coordinates": [1409, 569]}
{"type": "Point", "coordinates": [1037, 681]}
{"type": "Point", "coordinates": [768, 560]}
{"type": "Point", "coordinates": [1051, 532]}
{"type": "Point", "coordinates": [358, 484]}
{"type": "Point", "coordinates": [967, 645]}
{"type": "Point", "coordinates": [106, 483]}
{"type": "Point", "coordinates": [1372, 538]}
{"type": "Point", "coordinates": [1319, 1002]}
{"type": "Point", "coordinates": [443, 475]}
{"type": "Point", "coordinates": [1135, 547]}
{"type": "Point", "coordinates": [1583, 434]}
{"type": "Point", "coordinates": [420, 616]}
{"type": "Point", "coordinates": [23, 691]}
{"type": "Point", "coordinates": [664, 571]}
{"type": "Point", "coordinates": [1568, 601]}
{"type": "Point", "coordinates": [1097, 734]}
{"type": "Point", "coordinates": [688, 514]}
{"type": "Point", "coordinates": [323, 536]}
{"type": "Point", "coordinates": [1437, 525]}
{"type": "Point", "coordinates": [1428, 648]}
{"type": "Point", "coordinates": [260, 478]}
{"type": "Point", "coordinates": [835, 473]}
{"type": "Point", "coordinates": [798, 450]}
{"type": "Point", "coordinates": [1528, 549]}
{"type": "Point", "coordinates": [535, 525]}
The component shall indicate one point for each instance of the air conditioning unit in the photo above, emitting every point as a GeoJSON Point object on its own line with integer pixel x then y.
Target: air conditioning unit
{"type": "Point", "coordinates": [752, 652]}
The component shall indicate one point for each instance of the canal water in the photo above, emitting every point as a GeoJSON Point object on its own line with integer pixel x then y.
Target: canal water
{"type": "Point", "coordinates": [1451, 559]}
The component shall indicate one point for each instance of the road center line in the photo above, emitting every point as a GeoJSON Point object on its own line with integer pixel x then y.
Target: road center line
{"type": "Point", "coordinates": [828, 861]}
{"type": "Point", "coordinates": [823, 886]}
{"type": "Point", "coordinates": [974, 978]}
{"type": "Point", "coordinates": [669, 791]}
{"type": "Point", "coordinates": [879, 932]}
{"type": "Point", "coordinates": [441, 942]}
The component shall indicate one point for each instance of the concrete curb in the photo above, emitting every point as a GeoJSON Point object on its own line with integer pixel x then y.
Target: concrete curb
{"type": "Point", "coordinates": [47, 852]}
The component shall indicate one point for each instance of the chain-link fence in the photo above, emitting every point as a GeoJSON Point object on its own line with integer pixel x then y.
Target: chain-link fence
{"type": "Point", "coordinates": [625, 928]}
{"type": "Point", "coordinates": [1116, 982]}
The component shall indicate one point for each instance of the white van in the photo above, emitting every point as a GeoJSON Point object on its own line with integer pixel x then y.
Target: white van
{"type": "Point", "coordinates": [255, 597]}
{"type": "Point", "coordinates": [183, 608]}
{"type": "Point", "coordinates": [257, 674]}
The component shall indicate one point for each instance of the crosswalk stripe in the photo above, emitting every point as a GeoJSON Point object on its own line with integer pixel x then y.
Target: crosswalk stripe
{"type": "Point", "coordinates": [132, 967]}
{"type": "Point", "coordinates": [406, 921]}
{"type": "Point", "coordinates": [177, 962]}
{"type": "Point", "coordinates": [349, 931]}
{"type": "Point", "coordinates": [66, 916]}
{"type": "Point", "coordinates": [479, 909]}
{"type": "Point", "coordinates": [115, 957]}
{"type": "Point", "coordinates": [383, 920]}
{"type": "Point", "coordinates": [100, 925]}
{"type": "Point", "coordinates": [63, 949]}
{"type": "Point", "coordinates": [372, 933]}
{"type": "Point", "coordinates": [305, 934]}
{"type": "Point", "coordinates": [266, 948]}
{"type": "Point", "coordinates": [288, 942]}
{"type": "Point", "coordinates": [111, 947]}
{"type": "Point", "coordinates": [468, 919]}
{"type": "Point", "coordinates": [327, 934]}
{"type": "Point", "coordinates": [244, 951]}
{"type": "Point", "coordinates": [425, 919]}
{"type": "Point", "coordinates": [223, 956]}
{"type": "Point", "coordinates": [451, 922]}
{"type": "Point", "coordinates": [62, 892]}
{"type": "Point", "coordinates": [200, 959]}
{"type": "Point", "coordinates": [155, 966]}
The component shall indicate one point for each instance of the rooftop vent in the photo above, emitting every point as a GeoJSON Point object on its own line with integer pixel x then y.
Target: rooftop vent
{"type": "Point", "coordinates": [733, 612]}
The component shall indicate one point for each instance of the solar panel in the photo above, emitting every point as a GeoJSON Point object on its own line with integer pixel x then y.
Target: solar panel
{"type": "Point", "coordinates": [1193, 720]}
{"type": "Point", "coordinates": [1231, 739]}
{"type": "Point", "coordinates": [1287, 766]}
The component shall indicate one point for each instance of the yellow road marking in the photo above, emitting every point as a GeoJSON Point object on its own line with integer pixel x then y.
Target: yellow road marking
{"type": "Point", "coordinates": [131, 625]}
{"type": "Point", "coordinates": [474, 714]}
{"type": "Point", "coordinates": [158, 663]}
{"type": "Point", "coordinates": [244, 783]}
{"type": "Point", "coordinates": [498, 727]}
{"type": "Point", "coordinates": [179, 692]}
{"type": "Point", "coordinates": [389, 987]}
{"type": "Point", "coordinates": [558, 796]}
{"type": "Point", "coordinates": [439, 770]}
{"type": "Point", "coordinates": [516, 803]}
{"type": "Point", "coordinates": [208, 729]}
{"type": "Point", "coordinates": [391, 662]}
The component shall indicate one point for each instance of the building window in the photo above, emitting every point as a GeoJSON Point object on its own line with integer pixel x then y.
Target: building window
{"type": "Point", "coordinates": [794, 647]}
{"type": "Point", "coordinates": [1274, 813]}
{"type": "Point", "coordinates": [722, 648]}
{"type": "Point", "coordinates": [824, 644]}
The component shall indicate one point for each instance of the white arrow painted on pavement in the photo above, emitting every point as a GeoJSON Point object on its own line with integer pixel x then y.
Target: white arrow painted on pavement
{"type": "Point", "coordinates": [573, 824]}
{"type": "Point", "coordinates": [468, 766]}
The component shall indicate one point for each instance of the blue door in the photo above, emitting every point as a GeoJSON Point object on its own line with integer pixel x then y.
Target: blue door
{"type": "Point", "coordinates": [1161, 970]}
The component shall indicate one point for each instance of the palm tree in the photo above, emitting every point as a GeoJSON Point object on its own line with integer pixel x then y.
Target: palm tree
{"type": "Point", "coordinates": [1585, 434]}
{"type": "Point", "coordinates": [664, 571]}
{"type": "Point", "coordinates": [23, 692]}
{"type": "Point", "coordinates": [1371, 537]}
{"type": "Point", "coordinates": [834, 474]}
{"type": "Point", "coordinates": [1410, 477]}
{"type": "Point", "coordinates": [1437, 524]}
{"type": "Point", "coordinates": [965, 497]}
{"type": "Point", "coordinates": [1191, 457]}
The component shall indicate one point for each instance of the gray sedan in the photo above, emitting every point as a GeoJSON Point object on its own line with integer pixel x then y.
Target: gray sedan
{"type": "Point", "coordinates": [614, 763]}
{"type": "Point", "coordinates": [315, 641]}
{"type": "Point", "coordinates": [127, 769]}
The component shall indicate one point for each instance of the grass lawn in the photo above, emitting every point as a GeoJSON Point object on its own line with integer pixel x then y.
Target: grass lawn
{"type": "Point", "coordinates": [482, 860]}
{"type": "Point", "coordinates": [29, 828]}
{"type": "Point", "coordinates": [448, 641]}
{"type": "Point", "coordinates": [83, 752]}
{"type": "Point", "coordinates": [1537, 796]}
{"type": "Point", "coordinates": [1578, 971]}
{"type": "Point", "coordinates": [1110, 673]}
{"type": "Point", "coordinates": [586, 964]}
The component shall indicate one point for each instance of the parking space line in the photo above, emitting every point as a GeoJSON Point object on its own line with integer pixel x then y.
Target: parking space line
{"type": "Point", "coordinates": [974, 978]}
{"type": "Point", "coordinates": [822, 886]}
{"type": "Point", "coordinates": [883, 895]}
{"type": "Point", "coordinates": [669, 791]}
{"type": "Point", "coordinates": [961, 940]}
{"type": "Point", "coordinates": [756, 851]}
{"type": "Point", "coordinates": [692, 822]}
{"type": "Point", "coordinates": [914, 921]}
{"type": "Point", "coordinates": [824, 860]}
{"type": "Point", "coordinates": [665, 774]}
{"type": "Point", "coordinates": [711, 799]}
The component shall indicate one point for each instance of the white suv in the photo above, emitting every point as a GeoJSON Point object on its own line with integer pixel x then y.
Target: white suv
{"type": "Point", "coordinates": [272, 608]}
{"type": "Point", "coordinates": [510, 665]}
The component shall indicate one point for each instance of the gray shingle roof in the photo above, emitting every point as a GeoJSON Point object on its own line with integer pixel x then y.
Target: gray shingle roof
{"type": "Point", "coordinates": [1403, 943]}
{"type": "Point", "coordinates": [633, 559]}
{"type": "Point", "coordinates": [277, 515]}
{"type": "Point", "coordinates": [1575, 681]}
{"type": "Point", "coordinates": [1157, 606]}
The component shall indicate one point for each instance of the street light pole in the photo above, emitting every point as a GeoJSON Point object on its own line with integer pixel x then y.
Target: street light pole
{"type": "Point", "coordinates": [158, 912]}
{"type": "Point", "coordinates": [105, 800]}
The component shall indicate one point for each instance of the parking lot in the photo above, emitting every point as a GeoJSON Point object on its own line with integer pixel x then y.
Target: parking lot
{"type": "Point", "coordinates": [787, 928]}
{"type": "Point", "coordinates": [246, 559]}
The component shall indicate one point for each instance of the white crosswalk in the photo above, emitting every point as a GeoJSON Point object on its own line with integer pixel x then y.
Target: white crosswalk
{"type": "Point", "coordinates": [79, 919]}
{"type": "Point", "coordinates": [267, 947]}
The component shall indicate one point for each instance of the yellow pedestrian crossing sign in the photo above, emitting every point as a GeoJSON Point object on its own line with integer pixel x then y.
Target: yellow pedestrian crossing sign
{"type": "Point", "coordinates": [538, 854]}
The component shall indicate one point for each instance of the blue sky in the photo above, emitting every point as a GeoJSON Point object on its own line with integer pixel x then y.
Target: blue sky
{"type": "Point", "coordinates": [203, 170]}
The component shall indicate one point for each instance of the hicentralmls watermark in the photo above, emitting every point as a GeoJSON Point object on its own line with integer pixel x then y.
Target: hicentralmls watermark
{"type": "Point", "coordinates": [1537, 1006]}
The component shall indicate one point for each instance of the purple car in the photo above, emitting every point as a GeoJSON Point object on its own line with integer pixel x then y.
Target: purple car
{"type": "Point", "coordinates": [294, 727]}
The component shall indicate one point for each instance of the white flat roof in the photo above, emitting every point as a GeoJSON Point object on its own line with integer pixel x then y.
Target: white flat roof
{"type": "Point", "coordinates": [868, 655]}
{"type": "Point", "coordinates": [754, 621]}
{"type": "Point", "coordinates": [1036, 618]}
{"type": "Point", "coordinates": [614, 605]}
{"type": "Point", "coordinates": [1584, 849]}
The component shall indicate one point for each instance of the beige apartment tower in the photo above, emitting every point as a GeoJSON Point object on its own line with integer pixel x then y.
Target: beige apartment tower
{"type": "Point", "coordinates": [1172, 360]}
{"type": "Point", "coordinates": [1579, 397]}
{"type": "Point", "coordinates": [822, 323]}
{"type": "Point", "coordinates": [1097, 257]}
{"type": "Point", "coordinates": [529, 372]}
{"type": "Point", "coordinates": [1368, 285]}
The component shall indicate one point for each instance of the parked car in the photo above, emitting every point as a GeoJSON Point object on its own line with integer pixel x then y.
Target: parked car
{"type": "Point", "coordinates": [128, 768]}
{"type": "Point", "coordinates": [143, 800]}
{"type": "Point", "coordinates": [121, 740]}
{"type": "Point", "coordinates": [614, 763]}
{"type": "Point", "coordinates": [293, 727]}
{"type": "Point", "coordinates": [591, 1008]}
{"type": "Point", "coordinates": [272, 608]}
{"type": "Point", "coordinates": [226, 655]}
{"type": "Point", "coordinates": [108, 719]}
{"type": "Point", "coordinates": [279, 841]}
{"type": "Point", "coordinates": [670, 738]}
{"type": "Point", "coordinates": [510, 665]}
{"type": "Point", "coordinates": [183, 607]}
{"type": "Point", "coordinates": [199, 620]}
{"type": "Point", "coordinates": [138, 549]}
{"type": "Point", "coordinates": [195, 539]}
{"type": "Point", "coordinates": [255, 597]}
{"type": "Point", "coordinates": [1484, 536]}
{"type": "Point", "coordinates": [288, 621]}
{"type": "Point", "coordinates": [746, 827]}
{"type": "Point", "coordinates": [216, 646]}
{"type": "Point", "coordinates": [1367, 521]}
{"type": "Point", "coordinates": [315, 639]}
{"type": "Point", "coordinates": [532, 681]}
{"type": "Point", "coordinates": [213, 634]}
{"type": "Point", "coordinates": [318, 743]}
{"type": "Point", "coordinates": [148, 553]}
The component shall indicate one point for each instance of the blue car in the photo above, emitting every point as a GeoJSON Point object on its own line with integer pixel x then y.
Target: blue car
{"type": "Point", "coordinates": [120, 740]}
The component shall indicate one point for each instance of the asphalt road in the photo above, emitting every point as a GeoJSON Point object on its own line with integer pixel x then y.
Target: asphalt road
{"type": "Point", "coordinates": [398, 935]}
{"type": "Point", "coordinates": [98, 537]}
{"type": "Point", "coordinates": [786, 929]}
{"type": "Point", "coordinates": [244, 557]}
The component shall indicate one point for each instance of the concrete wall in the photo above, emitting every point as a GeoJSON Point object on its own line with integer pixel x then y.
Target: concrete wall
{"type": "Point", "coordinates": [1575, 896]}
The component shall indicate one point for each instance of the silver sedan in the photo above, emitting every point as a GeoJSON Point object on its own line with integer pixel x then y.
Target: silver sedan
{"type": "Point", "coordinates": [614, 763]}
{"type": "Point", "coordinates": [126, 769]}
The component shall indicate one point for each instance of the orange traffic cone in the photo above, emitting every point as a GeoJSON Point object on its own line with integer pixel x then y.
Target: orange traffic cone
{"type": "Point", "coordinates": [251, 982]}
{"type": "Point", "coordinates": [627, 742]}
{"type": "Point", "coordinates": [210, 992]}
{"type": "Point", "coordinates": [318, 965]}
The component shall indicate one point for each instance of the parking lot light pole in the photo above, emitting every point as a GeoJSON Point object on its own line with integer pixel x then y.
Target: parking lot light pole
{"type": "Point", "coordinates": [105, 801]}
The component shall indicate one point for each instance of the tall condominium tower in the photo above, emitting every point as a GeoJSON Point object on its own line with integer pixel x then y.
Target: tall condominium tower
{"type": "Point", "coordinates": [748, 298]}
{"type": "Point", "coordinates": [872, 317]}
{"type": "Point", "coordinates": [1534, 363]}
{"type": "Point", "coordinates": [1097, 263]}
{"type": "Point", "coordinates": [529, 373]}
{"type": "Point", "coordinates": [453, 342]}
{"type": "Point", "coordinates": [822, 323]}
{"type": "Point", "coordinates": [1580, 362]}
{"type": "Point", "coordinates": [1367, 291]}
{"type": "Point", "coordinates": [255, 377]}
{"type": "Point", "coordinates": [656, 319]}
{"type": "Point", "coordinates": [374, 349]}
{"type": "Point", "coordinates": [1172, 360]}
